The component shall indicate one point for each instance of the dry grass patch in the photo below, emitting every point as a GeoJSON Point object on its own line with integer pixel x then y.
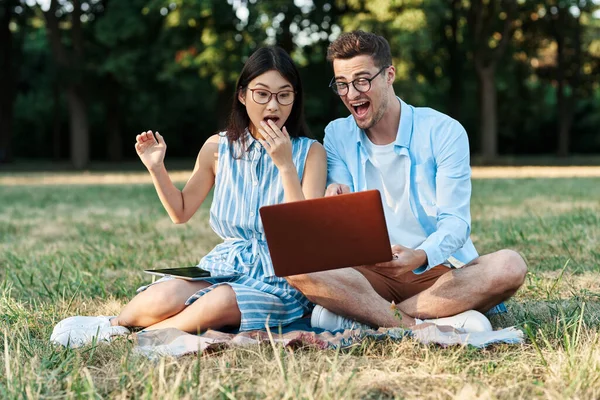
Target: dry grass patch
{"type": "Point", "coordinates": [68, 250]}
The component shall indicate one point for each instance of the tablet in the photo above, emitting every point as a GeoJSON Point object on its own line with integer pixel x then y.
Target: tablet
{"type": "Point", "coordinates": [327, 233]}
{"type": "Point", "coordinates": [187, 273]}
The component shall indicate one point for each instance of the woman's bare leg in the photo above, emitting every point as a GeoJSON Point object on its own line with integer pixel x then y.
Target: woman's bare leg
{"type": "Point", "coordinates": [216, 309]}
{"type": "Point", "coordinates": [158, 302]}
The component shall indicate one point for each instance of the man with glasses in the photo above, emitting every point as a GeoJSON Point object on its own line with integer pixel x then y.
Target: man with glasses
{"type": "Point", "coordinates": [418, 159]}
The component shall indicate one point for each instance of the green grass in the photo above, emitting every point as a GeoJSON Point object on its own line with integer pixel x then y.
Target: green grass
{"type": "Point", "coordinates": [80, 250]}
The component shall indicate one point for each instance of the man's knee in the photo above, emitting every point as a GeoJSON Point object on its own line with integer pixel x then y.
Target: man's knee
{"type": "Point", "coordinates": [509, 270]}
{"type": "Point", "coordinates": [302, 282]}
{"type": "Point", "coordinates": [311, 285]}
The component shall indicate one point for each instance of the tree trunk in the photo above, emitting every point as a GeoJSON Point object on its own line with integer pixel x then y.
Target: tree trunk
{"type": "Point", "coordinates": [566, 102]}
{"type": "Point", "coordinates": [488, 113]}
{"type": "Point", "coordinates": [114, 143]}
{"type": "Point", "coordinates": [564, 120]}
{"type": "Point", "coordinates": [481, 16]}
{"type": "Point", "coordinates": [78, 119]}
{"type": "Point", "coordinates": [223, 106]}
{"type": "Point", "coordinates": [56, 125]}
{"type": "Point", "coordinates": [7, 81]}
{"type": "Point", "coordinates": [455, 64]}
{"type": "Point", "coordinates": [80, 149]}
{"type": "Point", "coordinates": [286, 39]}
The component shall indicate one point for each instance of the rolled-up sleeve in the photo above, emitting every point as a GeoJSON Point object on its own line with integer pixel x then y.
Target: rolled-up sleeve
{"type": "Point", "coordinates": [337, 169]}
{"type": "Point", "coordinates": [453, 196]}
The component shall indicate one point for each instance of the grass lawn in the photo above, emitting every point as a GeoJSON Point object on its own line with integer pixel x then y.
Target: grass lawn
{"type": "Point", "coordinates": [67, 250]}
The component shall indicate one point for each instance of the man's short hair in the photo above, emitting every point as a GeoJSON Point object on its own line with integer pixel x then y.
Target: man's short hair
{"type": "Point", "coordinates": [358, 43]}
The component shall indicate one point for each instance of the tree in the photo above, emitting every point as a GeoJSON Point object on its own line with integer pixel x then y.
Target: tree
{"type": "Point", "coordinates": [70, 65]}
{"type": "Point", "coordinates": [126, 56]}
{"type": "Point", "coordinates": [489, 45]}
{"type": "Point", "coordinates": [456, 58]}
{"type": "Point", "coordinates": [443, 63]}
{"type": "Point", "coordinates": [10, 48]}
{"type": "Point", "coordinates": [562, 21]}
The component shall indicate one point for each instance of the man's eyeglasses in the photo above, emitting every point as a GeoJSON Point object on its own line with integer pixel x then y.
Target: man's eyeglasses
{"type": "Point", "coordinates": [360, 84]}
{"type": "Point", "coordinates": [262, 96]}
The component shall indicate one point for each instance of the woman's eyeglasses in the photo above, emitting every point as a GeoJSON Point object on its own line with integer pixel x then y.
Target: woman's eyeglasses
{"type": "Point", "coordinates": [262, 96]}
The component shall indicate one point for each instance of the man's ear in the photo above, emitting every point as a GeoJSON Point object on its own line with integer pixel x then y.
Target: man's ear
{"type": "Point", "coordinates": [391, 75]}
{"type": "Point", "coordinates": [241, 96]}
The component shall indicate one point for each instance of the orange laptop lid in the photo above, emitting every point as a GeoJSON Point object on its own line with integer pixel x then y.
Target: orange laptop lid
{"type": "Point", "coordinates": [326, 233]}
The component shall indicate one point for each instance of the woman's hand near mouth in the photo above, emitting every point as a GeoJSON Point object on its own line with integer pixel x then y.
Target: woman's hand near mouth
{"type": "Point", "coordinates": [278, 145]}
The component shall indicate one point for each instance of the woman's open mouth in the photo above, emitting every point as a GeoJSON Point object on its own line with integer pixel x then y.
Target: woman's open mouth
{"type": "Point", "coordinates": [274, 119]}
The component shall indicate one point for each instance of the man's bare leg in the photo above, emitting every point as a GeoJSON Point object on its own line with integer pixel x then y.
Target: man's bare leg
{"type": "Point", "coordinates": [347, 292]}
{"type": "Point", "coordinates": [480, 285]}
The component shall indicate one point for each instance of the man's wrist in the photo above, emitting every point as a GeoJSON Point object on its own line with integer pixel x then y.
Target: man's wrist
{"type": "Point", "coordinates": [420, 258]}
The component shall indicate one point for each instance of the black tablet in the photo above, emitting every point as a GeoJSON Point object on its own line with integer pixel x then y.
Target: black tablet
{"type": "Point", "coordinates": [187, 273]}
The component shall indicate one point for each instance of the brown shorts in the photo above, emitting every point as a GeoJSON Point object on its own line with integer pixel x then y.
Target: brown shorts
{"type": "Point", "coordinates": [398, 289]}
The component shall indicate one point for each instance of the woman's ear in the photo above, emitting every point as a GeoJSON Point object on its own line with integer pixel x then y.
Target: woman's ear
{"type": "Point", "coordinates": [241, 96]}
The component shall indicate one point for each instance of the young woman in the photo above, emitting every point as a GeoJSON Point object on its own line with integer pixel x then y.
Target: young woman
{"type": "Point", "coordinates": [264, 157]}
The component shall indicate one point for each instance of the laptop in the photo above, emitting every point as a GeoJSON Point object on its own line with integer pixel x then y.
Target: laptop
{"type": "Point", "coordinates": [326, 233]}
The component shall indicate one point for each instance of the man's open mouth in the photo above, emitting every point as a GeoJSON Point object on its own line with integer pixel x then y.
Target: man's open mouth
{"type": "Point", "coordinates": [360, 109]}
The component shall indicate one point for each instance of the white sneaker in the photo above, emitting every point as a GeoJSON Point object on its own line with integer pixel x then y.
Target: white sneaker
{"type": "Point", "coordinates": [325, 319]}
{"type": "Point", "coordinates": [78, 331]}
{"type": "Point", "coordinates": [469, 321]}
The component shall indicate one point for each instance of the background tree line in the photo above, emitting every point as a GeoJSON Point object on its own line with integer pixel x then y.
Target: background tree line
{"type": "Point", "coordinates": [79, 79]}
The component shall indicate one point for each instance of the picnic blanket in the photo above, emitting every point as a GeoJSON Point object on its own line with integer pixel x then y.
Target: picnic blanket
{"type": "Point", "coordinates": [173, 342]}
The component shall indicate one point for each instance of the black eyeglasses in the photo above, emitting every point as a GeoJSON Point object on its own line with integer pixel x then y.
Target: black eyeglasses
{"type": "Point", "coordinates": [262, 96]}
{"type": "Point", "coordinates": [360, 84]}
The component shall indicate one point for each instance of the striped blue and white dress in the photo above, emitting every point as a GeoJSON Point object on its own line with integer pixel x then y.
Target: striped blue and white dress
{"type": "Point", "coordinates": [242, 261]}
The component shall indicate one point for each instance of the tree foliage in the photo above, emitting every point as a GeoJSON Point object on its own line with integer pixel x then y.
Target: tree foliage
{"type": "Point", "coordinates": [81, 77]}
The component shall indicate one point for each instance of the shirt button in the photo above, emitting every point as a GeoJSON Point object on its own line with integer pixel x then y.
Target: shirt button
{"type": "Point", "coordinates": [255, 183]}
{"type": "Point", "coordinates": [252, 213]}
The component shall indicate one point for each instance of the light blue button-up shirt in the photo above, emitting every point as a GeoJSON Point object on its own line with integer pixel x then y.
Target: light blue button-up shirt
{"type": "Point", "coordinates": [439, 176]}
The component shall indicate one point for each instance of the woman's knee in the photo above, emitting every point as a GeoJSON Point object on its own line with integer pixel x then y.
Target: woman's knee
{"type": "Point", "coordinates": [222, 306]}
{"type": "Point", "coordinates": [165, 298]}
{"type": "Point", "coordinates": [225, 295]}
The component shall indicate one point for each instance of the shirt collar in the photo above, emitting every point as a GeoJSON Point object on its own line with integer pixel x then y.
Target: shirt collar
{"type": "Point", "coordinates": [405, 128]}
{"type": "Point", "coordinates": [250, 140]}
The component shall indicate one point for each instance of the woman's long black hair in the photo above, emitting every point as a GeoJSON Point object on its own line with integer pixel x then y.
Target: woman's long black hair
{"type": "Point", "coordinates": [265, 59]}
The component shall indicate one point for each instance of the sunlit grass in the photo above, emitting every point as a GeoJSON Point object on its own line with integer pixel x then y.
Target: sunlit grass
{"type": "Point", "coordinates": [67, 250]}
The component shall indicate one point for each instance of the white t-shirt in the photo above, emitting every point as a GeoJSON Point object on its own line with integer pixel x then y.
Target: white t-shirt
{"type": "Point", "coordinates": [388, 172]}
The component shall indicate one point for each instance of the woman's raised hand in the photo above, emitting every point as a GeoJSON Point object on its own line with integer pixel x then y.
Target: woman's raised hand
{"type": "Point", "coordinates": [150, 149]}
{"type": "Point", "coordinates": [277, 143]}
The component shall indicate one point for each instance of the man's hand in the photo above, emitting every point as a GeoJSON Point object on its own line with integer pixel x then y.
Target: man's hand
{"type": "Point", "coordinates": [405, 260]}
{"type": "Point", "coordinates": [336, 188]}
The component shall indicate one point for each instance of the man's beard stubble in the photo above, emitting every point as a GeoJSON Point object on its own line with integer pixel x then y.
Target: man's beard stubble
{"type": "Point", "coordinates": [377, 115]}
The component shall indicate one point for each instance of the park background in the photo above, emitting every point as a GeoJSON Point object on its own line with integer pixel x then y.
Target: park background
{"type": "Point", "coordinates": [79, 79]}
{"type": "Point", "coordinates": [80, 219]}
